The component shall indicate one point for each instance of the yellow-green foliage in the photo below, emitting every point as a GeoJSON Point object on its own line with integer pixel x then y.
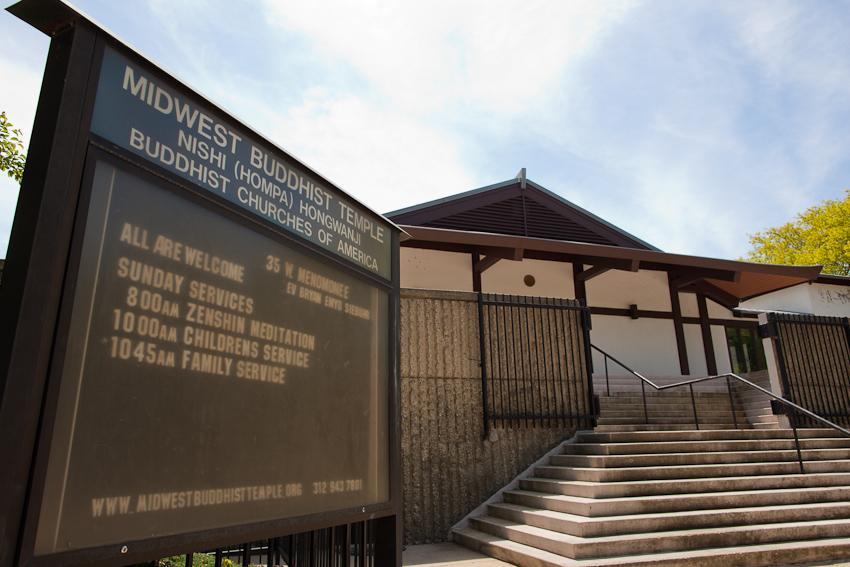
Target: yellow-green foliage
{"type": "Point", "coordinates": [820, 235]}
{"type": "Point", "coordinates": [198, 560]}
{"type": "Point", "coordinates": [12, 157]}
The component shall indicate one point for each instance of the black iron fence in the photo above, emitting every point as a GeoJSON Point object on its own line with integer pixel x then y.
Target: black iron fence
{"type": "Point", "coordinates": [535, 362]}
{"type": "Point", "coordinates": [347, 545]}
{"type": "Point", "coordinates": [813, 355]}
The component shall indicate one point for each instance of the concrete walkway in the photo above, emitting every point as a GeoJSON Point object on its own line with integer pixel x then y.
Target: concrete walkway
{"type": "Point", "coordinates": [447, 555]}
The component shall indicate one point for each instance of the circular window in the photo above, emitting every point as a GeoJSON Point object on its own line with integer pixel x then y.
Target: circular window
{"type": "Point", "coordinates": [529, 280]}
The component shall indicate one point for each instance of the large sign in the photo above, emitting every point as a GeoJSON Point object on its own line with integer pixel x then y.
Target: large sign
{"type": "Point", "coordinates": [214, 377]}
{"type": "Point", "coordinates": [139, 113]}
{"type": "Point", "coordinates": [201, 332]}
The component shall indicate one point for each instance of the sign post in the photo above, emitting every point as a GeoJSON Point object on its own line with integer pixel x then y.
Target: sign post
{"type": "Point", "coordinates": [201, 332]}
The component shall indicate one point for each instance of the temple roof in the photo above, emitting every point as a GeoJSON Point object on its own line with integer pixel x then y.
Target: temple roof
{"type": "Point", "coordinates": [518, 207]}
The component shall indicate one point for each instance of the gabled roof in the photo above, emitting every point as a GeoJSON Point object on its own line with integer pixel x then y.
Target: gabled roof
{"type": "Point", "coordinates": [518, 207]}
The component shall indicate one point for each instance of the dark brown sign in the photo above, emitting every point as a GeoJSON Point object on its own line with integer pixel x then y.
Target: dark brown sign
{"type": "Point", "coordinates": [144, 115]}
{"type": "Point", "coordinates": [213, 377]}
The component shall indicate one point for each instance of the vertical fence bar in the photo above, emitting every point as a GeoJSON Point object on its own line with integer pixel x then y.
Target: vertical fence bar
{"type": "Point", "coordinates": [347, 546]}
{"type": "Point", "coordinates": [546, 361]}
{"type": "Point", "coordinates": [588, 356]}
{"type": "Point", "coordinates": [833, 355]}
{"type": "Point", "coordinates": [481, 348]}
{"type": "Point", "coordinates": [246, 555]}
{"type": "Point", "coordinates": [607, 382]}
{"type": "Point", "coordinates": [563, 407]}
{"type": "Point", "coordinates": [569, 361]}
{"type": "Point", "coordinates": [217, 560]}
{"type": "Point", "coordinates": [804, 365]}
{"type": "Point", "coordinates": [499, 314]}
{"type": "Point", "coordinates": [362, 547]}
{"type": "Point", "coordinates": [820, 338]}
{"type": "Point", "coordinates": [511, 387]}
{"type": "Point", "coordinates": [190, 559]}
{"type": "Point", "coordinates": [519, 383]}
{"type": "Point", "coordinates": [535, 342]}
{"type": "Point", "coordinates": [527, 349]}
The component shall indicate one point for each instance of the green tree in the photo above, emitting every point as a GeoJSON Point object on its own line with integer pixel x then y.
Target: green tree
{"type": "Point", "coordinates": [820, 235]}
{"type": "Point", "coordinates": [12, 156]}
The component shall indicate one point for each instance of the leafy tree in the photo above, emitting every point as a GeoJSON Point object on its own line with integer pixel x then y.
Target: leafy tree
{"type": "Point", "coordinates": [820, 235]}
{"type": "Point", "coordinates": [12, 156]}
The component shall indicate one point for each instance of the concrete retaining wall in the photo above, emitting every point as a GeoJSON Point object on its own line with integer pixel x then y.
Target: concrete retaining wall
{"type": "Point", "coordinates": [447, 468]}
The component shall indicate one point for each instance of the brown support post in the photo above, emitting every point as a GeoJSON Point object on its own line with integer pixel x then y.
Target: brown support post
{"type": "Point", "coordinates": [707, 341]}
{"type": "Point", "coordinates": [578, 282]}
{"type": "Point", "coordinates": [678, 327]}
{"type": "Point", "coordinates": [476, 273]}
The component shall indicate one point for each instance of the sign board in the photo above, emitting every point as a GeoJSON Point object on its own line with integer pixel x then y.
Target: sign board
{"type": "Point", "coordinates": [224, 344]}
{"type": "Point", "coordinates": [141, 114]}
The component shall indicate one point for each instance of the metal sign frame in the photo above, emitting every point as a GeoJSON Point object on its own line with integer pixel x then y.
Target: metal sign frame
{"type": "Point", "coordinates": [38, 279]}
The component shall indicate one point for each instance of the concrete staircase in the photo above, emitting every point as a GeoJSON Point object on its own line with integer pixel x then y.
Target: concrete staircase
{"type": "Point", "coordinates": [621, 404]}
{"type": "Point", "coordinates": [667, 494]}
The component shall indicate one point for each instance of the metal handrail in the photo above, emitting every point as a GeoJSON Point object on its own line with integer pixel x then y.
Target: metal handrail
{"type": "Point", "coordinates": [690, 383]}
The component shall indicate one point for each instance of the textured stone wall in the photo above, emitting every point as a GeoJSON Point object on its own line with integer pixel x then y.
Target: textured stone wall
{"type": "Point", "coordinates": [447, 468]}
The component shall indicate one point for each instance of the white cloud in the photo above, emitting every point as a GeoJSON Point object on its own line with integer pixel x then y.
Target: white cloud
{"type": "Point", "coordinates": [496, 57]}
{"type": "Point", "coordinates": [379, 155]}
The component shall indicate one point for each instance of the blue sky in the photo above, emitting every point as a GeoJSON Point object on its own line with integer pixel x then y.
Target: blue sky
{"type": "Point", "coordinates": [689, 124]}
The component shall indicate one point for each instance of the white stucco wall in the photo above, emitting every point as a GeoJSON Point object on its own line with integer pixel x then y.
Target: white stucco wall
{"type": "Point", "coordinates": [615, 288]}
{"type": "Point", "coordinates": [552, 279]}
{"type": "Point", "coordinates": [717, 311]}
{"type": "Point", "coordinates": [434, 269]}
{"type": "Point", "coordinates": [647, 345]}
{"type": "Point", "coordinates": [688, 304]}
{"type": "Point", "coordinates": [696, 351]}
{"type": "Point", "coordinates": [721, 349]}
{"type": "Point", "coordinates": [818, 299]}
{"type": "Point", "coordinates": [833, 300]}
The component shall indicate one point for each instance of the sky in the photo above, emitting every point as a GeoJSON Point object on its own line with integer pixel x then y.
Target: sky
{"type": "Point", "coordinates": [689, 124]}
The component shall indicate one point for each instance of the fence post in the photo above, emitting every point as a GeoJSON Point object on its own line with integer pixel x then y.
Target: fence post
{"type": "Point", "coordinates": [769, 332]}
{"type": "Point", "coordinates": [588, 357]}
{"type": "Point", "coordinates": [481, 349]}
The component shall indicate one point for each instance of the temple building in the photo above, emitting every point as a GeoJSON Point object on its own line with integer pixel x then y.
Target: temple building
{"type": "Point", "coordinates": [664, 313]}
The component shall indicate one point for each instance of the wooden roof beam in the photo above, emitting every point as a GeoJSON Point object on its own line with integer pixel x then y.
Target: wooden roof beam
{"type": "Point", "coordinates": [486, 263]}
{"type": "Point", "coordinates": [592, 272]}
{"type": "Point", "coordinates": [717, 295]}
{"type": "Point", "coordinates": [685, 278]}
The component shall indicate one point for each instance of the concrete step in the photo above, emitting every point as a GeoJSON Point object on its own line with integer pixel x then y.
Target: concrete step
{"type": "Point", "coordinates": [587, 527]}
{"type": "Point", "coordinates": [630, 436]}
{"type": "Point", "coordinates": [704, 414]}
{"type": "Point", "coordinates": [701, 401]}
{"type": "Point", "coordinates": [634, 391]}
{"type": "Point", "coordinates": [687, 471]}
{"type": "Point", "coordinates": [697, 458]}
{"type": "Point", "coordinates": [664, 426]}
{"type": "Point", "coordinates": [664, 487]}
{"type": "Point", "coordinates": [706, 445]}
{"type": "Point", "coordinates": [680, 420]}
{"type": "Point", "coordinates": [737, 546]}
{"type": "Point", "coordinates": [763, 418]}
{"type": "Point", "coordinates": [596, 507]}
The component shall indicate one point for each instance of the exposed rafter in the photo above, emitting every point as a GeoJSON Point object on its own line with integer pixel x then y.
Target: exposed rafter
{"type": "Point", "coordinates": [485, 263]}
{"type": "Point", "coordinates": [592, 272]}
